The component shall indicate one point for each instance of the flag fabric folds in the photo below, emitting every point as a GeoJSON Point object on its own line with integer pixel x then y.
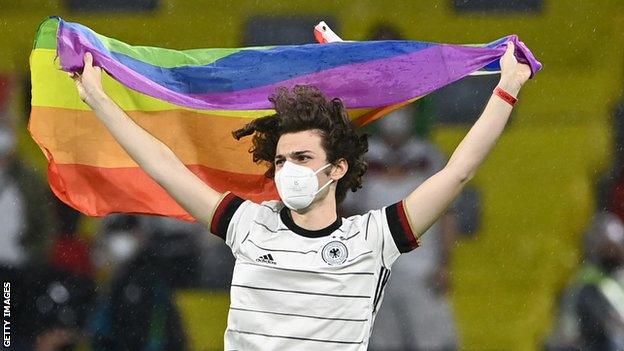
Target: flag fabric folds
{"type": "Point", "coordinates": [193, 99]}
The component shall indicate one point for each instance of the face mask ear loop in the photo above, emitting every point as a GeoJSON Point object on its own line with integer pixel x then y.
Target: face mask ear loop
{"type": "Point", "coordinates": [326, 184]}
{"type": "Point", "coordinates": [322, 168]}
{"type": "Point", "coordinates": [323, 187]}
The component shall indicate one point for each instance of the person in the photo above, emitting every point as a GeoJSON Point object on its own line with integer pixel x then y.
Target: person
{"type": "Point", "coordinates": [415, 314]}
{"type": "Point", "coordinates": [12, 205]}
{"type": "Point", "coordinates": [591, 312]}
{"type": "Point", "coordinates": [26, 217]}
{"type": "Point", "coordinates": [137, 309]}
{"type": "Point", "coordinates": [305, 278]}
{"type": "Point", "coordinates": [69, 251]}
{"type": "Point", "coordinates": [55, 295]}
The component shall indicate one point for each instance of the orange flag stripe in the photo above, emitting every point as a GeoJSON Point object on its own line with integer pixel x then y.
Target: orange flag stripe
{"type": "Point", "coordinates": [130, 190]}
{"type": "Point", "coordinates": [195, 138]}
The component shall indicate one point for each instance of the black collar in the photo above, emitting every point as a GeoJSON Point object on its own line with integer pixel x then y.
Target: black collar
{"type": "Point", "coordinates": [290, 224]}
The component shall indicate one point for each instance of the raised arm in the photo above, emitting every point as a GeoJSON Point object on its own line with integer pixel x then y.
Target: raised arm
{"type": "Point", "coordinates": [425, 204]}
{"type": "Point", "coordinates": [152, 155]}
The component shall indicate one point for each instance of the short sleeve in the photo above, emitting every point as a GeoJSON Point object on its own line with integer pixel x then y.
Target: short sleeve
{"type": "Point", "coordinates": [389, 232]}
{"type": "Point", "coordinates": [232, 219]}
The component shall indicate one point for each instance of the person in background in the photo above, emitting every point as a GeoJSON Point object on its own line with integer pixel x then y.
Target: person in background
{"type": "Point", "coordinates": [416, 314]}
{"type": "Point", "coordinates": [591, 312]}
{"type": "Point", "coordinates": [69, 251]}
{"type": "Point", "coordinates": [53, 307]}
{"type": "Point", "coordinates": [26, 224]}
{"type": "Point", "coordinates": [52, 301]}
{"type": "Point", "coordinates": [117, 241]}
{"type": "Point", "coordinates": [214, 259]}
{"type": "Point", "coordinates": [56, 296]}
{"type": "Point", "coordinates": [25, 215]}
{"type": "Point", "coordinates": [12, 205]}
{"type": "Point", "coordinates": [147, 259]}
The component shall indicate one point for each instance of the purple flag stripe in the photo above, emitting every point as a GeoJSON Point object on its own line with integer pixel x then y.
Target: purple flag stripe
{"type": "Point", "coordinates": [371, 84]}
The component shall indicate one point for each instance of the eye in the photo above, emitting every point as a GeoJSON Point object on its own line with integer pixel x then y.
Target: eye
{"type": "Point", "coordinates": [279, 161]}
{"type": "Point", "coordinates": [303, 158]}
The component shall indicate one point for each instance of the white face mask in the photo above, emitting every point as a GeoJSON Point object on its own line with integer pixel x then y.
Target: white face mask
{"type": "Point", "coordinates": [122, 246]}
{"type": "Point", "coordinates": [397, 126]}
{"type": "Point", "coordinates": [297, 185]}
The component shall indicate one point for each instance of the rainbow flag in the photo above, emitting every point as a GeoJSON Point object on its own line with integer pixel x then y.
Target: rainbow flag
{"type": "Point", "coordinates": [193, 99]}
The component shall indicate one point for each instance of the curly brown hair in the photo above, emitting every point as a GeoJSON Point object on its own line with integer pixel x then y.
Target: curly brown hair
{"type": "Point", "coordinates": [307, 108]}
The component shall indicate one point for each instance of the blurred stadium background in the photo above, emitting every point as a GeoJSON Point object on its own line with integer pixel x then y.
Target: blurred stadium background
{"type": "Point", "coordinates": [538, 189]}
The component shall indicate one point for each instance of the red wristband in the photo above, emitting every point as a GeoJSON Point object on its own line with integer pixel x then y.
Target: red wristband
{"type": "Point", "coordinates": [498, 91]}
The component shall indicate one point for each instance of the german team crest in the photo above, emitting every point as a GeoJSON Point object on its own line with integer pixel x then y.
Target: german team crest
{"type": "Point", "coordinates": [334, 253]}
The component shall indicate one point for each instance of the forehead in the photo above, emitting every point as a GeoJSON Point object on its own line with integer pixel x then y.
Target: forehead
{"type": "Point", "coordinates": [299, 141]}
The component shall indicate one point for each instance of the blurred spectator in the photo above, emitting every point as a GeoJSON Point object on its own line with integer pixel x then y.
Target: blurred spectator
{"type": "Point", "coordinates": [385, 31]}
{"type": "Point", "coordinates": [214, 260]}
{"type": "Point", "coordinates": [12, 205]}
{"type": "Point", "coordinates": [591, 312]}
{"type": "Point", "coordinates": [415, 313]}
{"type": "Point", "coordinates": [55, 297]}
{"type": "Point", "coordinates": [69, 251]}
{"type": "Point", "coordinates": [52, 302]}
{"type": "Point", "coordinates": [181, 241]}
{"type": "Point", "coordinates": [138, 311]}
{"type": "Point", "coordinates": [53, 308]}
{"type": "Point", "coordinates": [24, 207]}
{"type": "Point", "coordinates": [217, 263]}
{"type": "Point", "coordinates": [117, 242]}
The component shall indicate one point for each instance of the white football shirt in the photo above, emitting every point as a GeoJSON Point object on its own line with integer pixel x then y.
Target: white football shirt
{"type": "Point", "coordinates": [298, 289]}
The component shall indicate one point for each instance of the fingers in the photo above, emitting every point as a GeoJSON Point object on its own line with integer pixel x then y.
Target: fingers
{"type": "Point", "coordinates": [88, 60]}
{"type": "Point", "coordinates": [510, 48]}
{"type": "Point", "coordinates": [73, 75]}
{"type": "Point", "coordinates": [88, 66]}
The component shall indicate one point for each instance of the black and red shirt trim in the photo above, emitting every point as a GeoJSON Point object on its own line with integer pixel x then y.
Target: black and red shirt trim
{"type": "Point", "coordinates": [223, 214]}
{"type": "Point", "coordinates": [400, 229]}
{"type": "Point", "coordinates": [286, 218]}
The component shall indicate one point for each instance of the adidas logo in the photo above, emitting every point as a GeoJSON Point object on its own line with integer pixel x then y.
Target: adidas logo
{"type": "Point", "coordinates": [266, 259]}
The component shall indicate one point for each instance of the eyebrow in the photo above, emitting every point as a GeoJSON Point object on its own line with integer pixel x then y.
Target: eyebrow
{"type": "Point", "coordinates": [295, 153]}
